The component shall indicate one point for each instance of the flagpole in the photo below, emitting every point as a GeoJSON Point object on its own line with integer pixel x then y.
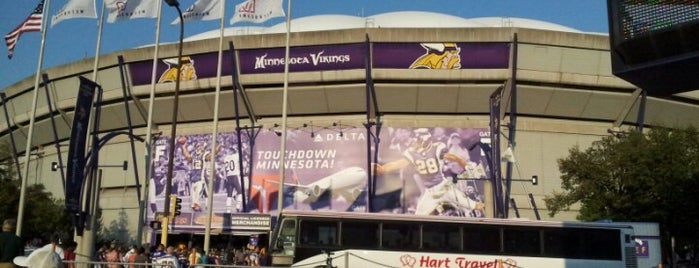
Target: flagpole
{"type": "Point", "coordinates": [100, 24]}
{"type": "Point", "coordinates": [282, 149]}
{"type": "Point", "coordinates": [149, 124]}
{"type": "Point", "coordinates": [30, 133]}
{"type": "Point", "coordinates": [214, 134]}
{"type": "Point", "coordinates": [86, 243]}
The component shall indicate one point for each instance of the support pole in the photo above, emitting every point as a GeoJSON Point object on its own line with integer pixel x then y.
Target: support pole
{"type": "Point", "coordinates": [173, 130]}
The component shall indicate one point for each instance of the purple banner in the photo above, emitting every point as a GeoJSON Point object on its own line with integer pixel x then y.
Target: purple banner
{"type": "Point", "coordinates": [441, 55]}
{"type": "Point", "coordinates": [445, 55]}
{"type": "Point", "coordinates": [303, 59]}
{"type": "Point", "coordinates": [76, 149]}
{"type": "Point", "coordinates": [193, 67]}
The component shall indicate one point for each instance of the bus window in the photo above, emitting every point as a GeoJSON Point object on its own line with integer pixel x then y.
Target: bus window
{"type": "Point", "coordinates": [402, 236]}
{"type": "Point", "coordinates": [563, 243]}
{"type": "Point", "coordinates": [318, 232]}
{"type": "Point", "coordinates": [439, 236]}
{"type": "Point", "coordinates": [602, 244]}
{"type": "Point", "coordinates": [359, 234]}
{"type": "Point", "coordinates": [481, 239]}
{"type": "Point", "coordinates": [287, 236]}
{"type": "Point", "coordinates": [521, 241]}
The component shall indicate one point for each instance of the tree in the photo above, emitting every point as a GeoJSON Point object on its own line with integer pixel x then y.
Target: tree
{"type": "Point", "coordinates": [44, 215]}
{"type": "Point", "coordinates": [117, 230]}
{"type": "Point", "coordinates": [647, 177]}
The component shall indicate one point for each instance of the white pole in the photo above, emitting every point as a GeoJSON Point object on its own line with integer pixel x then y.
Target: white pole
{"type": "Point", "coordinates": [30, 133]}
{"type": "Point", "coordinates": [100, 24]}
{"type": "Point", "coordinates": [282, 149]}
{"type": "Point", "coordinates": [214, 134]}
{"type": "Point", "coordinates": [86, 241]}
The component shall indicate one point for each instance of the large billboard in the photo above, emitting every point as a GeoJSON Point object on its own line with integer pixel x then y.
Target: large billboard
{"type": "Point", "coordinates": [431, 171]}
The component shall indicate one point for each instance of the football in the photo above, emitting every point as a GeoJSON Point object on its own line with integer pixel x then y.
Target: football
{"type": "Point", "coordinates": [182, 140]}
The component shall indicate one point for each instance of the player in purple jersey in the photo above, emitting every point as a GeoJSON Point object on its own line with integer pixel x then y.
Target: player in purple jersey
{"type": "Point", "coordinates": [427, 157]}
{"type": "Point", "coordinates": [198, 158]}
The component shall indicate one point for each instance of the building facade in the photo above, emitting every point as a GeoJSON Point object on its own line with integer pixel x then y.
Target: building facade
{"type": "Point", "coordinates": [346, 73]}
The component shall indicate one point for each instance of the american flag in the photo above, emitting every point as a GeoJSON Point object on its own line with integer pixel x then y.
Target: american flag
{"type": "Point", "coordinates": [30, 24]}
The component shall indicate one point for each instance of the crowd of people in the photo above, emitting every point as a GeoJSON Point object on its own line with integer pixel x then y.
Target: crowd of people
{"type": "Point", "coordinates": [113, 255]}
{"type": "Point", "coordinates": [61, 254]}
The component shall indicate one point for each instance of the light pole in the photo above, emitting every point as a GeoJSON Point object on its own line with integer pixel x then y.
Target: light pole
{"type": "Point", "coordinates": [173, 132]}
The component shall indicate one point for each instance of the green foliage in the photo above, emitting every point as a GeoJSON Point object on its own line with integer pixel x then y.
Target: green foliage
{"type": "Point", "coordinates": [651, 177]}
{"type": "Point", "coordinates": [44, 215]}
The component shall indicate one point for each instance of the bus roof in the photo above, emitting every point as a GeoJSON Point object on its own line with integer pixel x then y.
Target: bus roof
{"type": "Point", "coordinates": [448, 219]}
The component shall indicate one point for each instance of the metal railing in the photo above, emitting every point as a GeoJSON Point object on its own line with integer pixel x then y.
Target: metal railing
{"type": "Point", "coordinates": [102, 264]}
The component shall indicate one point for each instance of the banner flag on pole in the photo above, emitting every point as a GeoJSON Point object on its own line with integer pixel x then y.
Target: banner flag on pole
{"type": "Point", "coordinates": [494, 161]}
{"type": "Point", "coordinates": [257, 11]}
{"type": "Point", "coordinates": [30, 24]}
{"type": "Point", "coordinates": [76, 148]}
{"type": "Point", "coordinates": [120, 10]}
{"type": "Point", "coordinates": [75, 9]}
{"type": "Point", "coordinates": [201, 10]}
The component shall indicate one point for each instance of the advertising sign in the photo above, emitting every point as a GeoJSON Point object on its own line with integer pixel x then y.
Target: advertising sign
{"type": "Point", "coordinates": [325, 169]}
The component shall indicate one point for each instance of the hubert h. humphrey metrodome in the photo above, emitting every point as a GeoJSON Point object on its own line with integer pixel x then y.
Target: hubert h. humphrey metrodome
{"type": "Point", "coordinates": [508, 96]}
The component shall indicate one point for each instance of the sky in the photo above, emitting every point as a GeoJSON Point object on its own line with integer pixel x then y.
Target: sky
{"type": "Point", "coordinates": [76, 39]}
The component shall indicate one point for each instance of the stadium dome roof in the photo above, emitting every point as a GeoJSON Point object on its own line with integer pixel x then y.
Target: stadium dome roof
{"type": "Point", "coordinates": [521, 23]}
{"type": "Point", "coordinates": [419, 19]}
{"type": "Point", "coordinates": [320, 23]}
{"type": "Point", "coordinates": [399, 19]}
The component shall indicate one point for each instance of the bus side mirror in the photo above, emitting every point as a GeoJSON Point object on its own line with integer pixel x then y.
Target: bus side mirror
{"type": "Point", "coordinates": [280, 244]}
{"type": "Point", "coordinates": [535, 180]}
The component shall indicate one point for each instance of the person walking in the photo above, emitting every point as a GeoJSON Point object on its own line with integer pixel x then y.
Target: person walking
{"type": "Point", "coordinates": [69, 253]}
{"type": "Point", "coordinates": [11, 245]}
{"type": "Point", "coordinates": [48, 256]}
{"type": "Point", "coordinates": [194, 257]}
{"type": "Point", "coordinates": [139, 258]}
{"type": "Point", "coordinates": [113, 256]}
{"type": "Point", "coordinates": [168, 260]}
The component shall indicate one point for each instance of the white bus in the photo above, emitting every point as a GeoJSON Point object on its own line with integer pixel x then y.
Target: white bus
{"type": "Point", "coordinates": [358, 240]}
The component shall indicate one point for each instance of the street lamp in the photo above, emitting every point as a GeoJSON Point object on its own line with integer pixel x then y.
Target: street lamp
{"type": "Point", "coordinates": [173, 132]}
